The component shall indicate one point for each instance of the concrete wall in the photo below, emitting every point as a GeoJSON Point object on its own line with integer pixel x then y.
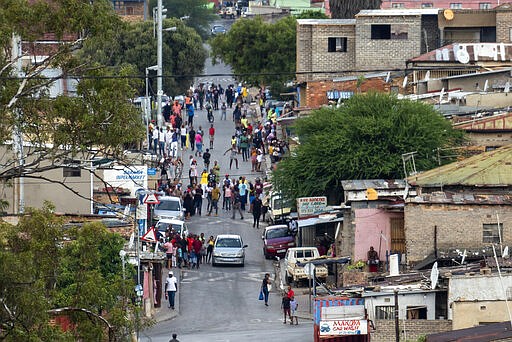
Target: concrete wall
{"type": "Point", "coordinates": [412, 329]}
{"type": "Point", "coordinates": [477, 299]}
{"type": "Point", "coordinates": [492, 100]}
{"type": "Point", "coordinates": [379, 54]}
{"type": "Point", "coordinates": [313, 55]}
{"type": "Point", "coordinates": [458, 226]}
{"type": "Point", "coordinates": [490, 139]}
{"type": "Point", "coordinates": [369, 225]}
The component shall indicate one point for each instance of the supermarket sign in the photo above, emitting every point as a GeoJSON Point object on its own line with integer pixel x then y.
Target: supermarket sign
{"type": "Point", "coordinates": [311, 206]}
{"type": "Point", "coordinates": [344, 327]}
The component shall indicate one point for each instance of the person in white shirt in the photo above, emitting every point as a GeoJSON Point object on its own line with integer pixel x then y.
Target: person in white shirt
{"type": "Point", "coordinates": [171, 286]}
{"type": "Point", "coordinates": [161, 141]}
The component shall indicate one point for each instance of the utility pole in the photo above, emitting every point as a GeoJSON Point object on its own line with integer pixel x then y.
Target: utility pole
{"type": "Point", "coordinates": [159, 64]}
{"type": "Point", "coordinates": [397, 321]}
{"type": "Point", "coordinates": [16, 53]}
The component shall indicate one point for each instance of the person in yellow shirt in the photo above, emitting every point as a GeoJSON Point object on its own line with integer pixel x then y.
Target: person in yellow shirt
{"type": "Point", "coordinates": [244, 121]}
{"type": "Point", "coordinates": [244, 93]}
{"type": "Point", "coordinates": [215, 200]}
{"type": "Point", "coordinates": [204, 181]}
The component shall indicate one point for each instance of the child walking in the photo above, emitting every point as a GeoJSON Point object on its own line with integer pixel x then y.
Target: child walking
{"type": "Point", "coordinates": [285, 305]}
{"type": "Point", "coordinates": [293, 307]}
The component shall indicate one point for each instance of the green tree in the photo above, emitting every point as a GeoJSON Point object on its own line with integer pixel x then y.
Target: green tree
{"type": "Point", "coordinates": [347, 9]}
{"type": "Point", "coordinates": [45, 267]}
{"type": "Point", "coordinates": [134, 44]}
{"type": "Point", "coordinates": [56, 129]}
{"type": "Point", "coordinates": [259, 53]}
{"type": "Point", "coordinates": [364, 139]}
{"type": "Point", "coordinates": [311, 14]}
{"type": "Point", "coordinates": [197, 11]}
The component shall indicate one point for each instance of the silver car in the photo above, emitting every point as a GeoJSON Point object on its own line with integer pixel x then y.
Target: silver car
{"type": "Point", "coordinates": [228, 249]}
{"type": "Point", "coordinates": [169, 207]}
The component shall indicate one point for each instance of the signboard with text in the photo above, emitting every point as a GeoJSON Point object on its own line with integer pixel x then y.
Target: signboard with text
{"type": "Point", "coordinates": [311, 206]}
{"type": "Point", "coordinates": [133, 178]}
{"type": "Point", "coordinates": [344, 327]}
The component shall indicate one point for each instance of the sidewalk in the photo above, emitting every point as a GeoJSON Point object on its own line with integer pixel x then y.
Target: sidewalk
{"type": "Point", "coordinates": [164, 313]}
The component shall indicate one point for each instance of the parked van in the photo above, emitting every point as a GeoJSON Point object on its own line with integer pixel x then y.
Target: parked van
{"type": "Point", "coordinates": [302, 255]}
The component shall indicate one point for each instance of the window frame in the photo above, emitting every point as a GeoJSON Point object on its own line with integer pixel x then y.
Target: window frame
{"type": "Point", "coordinates": [490, 232]}
{"type": "Point", "coordinates": [427, 5]}
{"type": "Point", "coordinates": [456, 5]}
{"type": "Point", "coordinates": [384, 312]}
{"type": "Point", "coordinates": [484, 5]}
{"type": "Point", "coordinates": [333, 42]}
{"type": "Point", "coordinates": [71, 168]}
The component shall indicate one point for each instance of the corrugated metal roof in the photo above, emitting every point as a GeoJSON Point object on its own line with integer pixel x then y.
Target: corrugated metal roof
{"type": "Point", "coordinates": [458, 198]}
{"type": "Point", "coordinates": [364, 184]}
{"type": "Point", "coordinates": [326, 21]}
{"type": "Point", "coordinates": [481, 333]}
{"type": "Point", "coordinates": [492, 168]}
{"type": "Point", "coordinates": [397, 12]}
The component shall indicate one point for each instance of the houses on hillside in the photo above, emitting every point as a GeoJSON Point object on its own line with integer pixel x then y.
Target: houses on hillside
{"type": "Point", "coordinates": [414, 51]}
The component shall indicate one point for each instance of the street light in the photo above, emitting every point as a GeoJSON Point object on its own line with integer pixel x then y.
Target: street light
{"type": "Point", "coordinates": [147, 108]}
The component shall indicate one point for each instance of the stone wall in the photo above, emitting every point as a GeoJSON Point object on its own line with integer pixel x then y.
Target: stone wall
{"type": "Point", "coordinates": [412, 329]}
{"type": "Point", "coordinates": [458, 226]}
{"type": "Point", "coordinates": [382, 54]}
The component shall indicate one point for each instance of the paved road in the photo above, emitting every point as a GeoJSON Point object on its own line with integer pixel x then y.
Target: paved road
{"type": "Point", "coordinates": [221, 303]}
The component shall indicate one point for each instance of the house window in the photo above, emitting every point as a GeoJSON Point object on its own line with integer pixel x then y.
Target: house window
{"type": "Point", "coordinates": [490, 232]}
{"type": "Point", "coordinates": [129, 10]}
{"type": "Point", "coordinates": [416, 312]}
{"type": "Point", "coordinates": [71, 168]}
{"type": "Point", "coordinates": [455, 5]}
{"type": "Point", "coordinates": [397, 5]}
{"type": "Point", "coordinates": [427, 5]}
{"type": "Point", "coordinates": [337, 44]}
{"type": "Point", "coordinates": [385, 312]}
{"type": "Point", "coordinates": [485, 5]}
{"type": "Point", "coordinates": [395, 31]}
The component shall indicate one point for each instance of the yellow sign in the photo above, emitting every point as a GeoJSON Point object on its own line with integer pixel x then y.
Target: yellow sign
{"type": "Point", "coordinates": [371, 194]}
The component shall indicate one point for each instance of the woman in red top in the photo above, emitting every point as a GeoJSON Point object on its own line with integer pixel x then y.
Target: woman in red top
{"type": "Point", "coordinates": [290, 292]}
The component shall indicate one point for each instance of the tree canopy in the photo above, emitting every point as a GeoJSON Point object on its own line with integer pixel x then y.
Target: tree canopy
{"type": "Point", "coordinates": [347, 9]}
{"type": "Point", "coordinates": [363, 139]}
{"type": "Point", "coordinates": [259, 53]}
{"type": "Point", "coordinates": [134, 44]}
{"type": "Point", "coordinates": [197, 11]}
{"type": "Point", "coordinates": [46, 267]}
{"type": "Point", "coordinates": [93, 116]}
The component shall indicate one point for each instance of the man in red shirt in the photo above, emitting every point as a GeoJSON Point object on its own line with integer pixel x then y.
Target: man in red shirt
{"type": "Point", "coordinates": [290, 292]}
{"type": "Point", "coordinates": [212, 135]}
{"type": "Point", "coordinates": [197, 245]}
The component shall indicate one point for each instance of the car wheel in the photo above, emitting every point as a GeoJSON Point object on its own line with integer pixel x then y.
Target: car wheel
{"type": "Point", "coordinates": [214, 264]}
{"type": "Point", "coordinates": [265, 254]}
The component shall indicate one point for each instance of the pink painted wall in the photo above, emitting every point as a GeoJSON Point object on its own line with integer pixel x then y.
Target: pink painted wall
{"type": "Point", "coordinates": [466, 4]}
{"type": "Point", "coordinates": [369, 223]}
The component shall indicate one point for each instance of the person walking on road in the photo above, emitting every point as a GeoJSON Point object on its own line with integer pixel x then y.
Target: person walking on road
{"type": "Point", "coordinates": [264, 287]}
{"type": "Point", "coordinates": [211, 133]}
{"type": "Point", "coordinates": [171, 286]}
{"type": "Point", "coordinates": [256, 212]}
{"type": "Point", "coordinates": [233, 155]}
{"type": "Point", "coordinates": [285, 305]}
{"type": "Point", "coordinates": [174, 338]}
{"type": "Point", "coordinates": [236, 203]}
{"type": "Point", "coordinates": [215, 200]}
{"type": "Point", "coordinates": [209, 249]}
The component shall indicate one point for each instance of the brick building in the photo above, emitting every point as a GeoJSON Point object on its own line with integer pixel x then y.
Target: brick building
{"type": "Point", "coordinates": [462, 205]}
{"type": "Point", "coordinates": [452, 4]}
{"type": "Point", "coordinates": [131, 10]}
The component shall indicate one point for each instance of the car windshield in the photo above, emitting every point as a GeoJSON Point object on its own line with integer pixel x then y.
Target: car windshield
{"type": "Point", "coordinates": [162, 226]}
{"type": "Point", "coordinates": [277, 233]}
{"type": "Point", "coordinates": [229, 242]}
{"type": "Point", "coordinates": [168, 205]}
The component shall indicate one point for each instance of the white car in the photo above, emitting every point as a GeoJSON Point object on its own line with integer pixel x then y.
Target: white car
{"type": "Point", "coordinates": [175, 225]}
{"type": "Point", "coordinates": [228, 249]}
{"type": "Point", "coordinates": [169, 207]}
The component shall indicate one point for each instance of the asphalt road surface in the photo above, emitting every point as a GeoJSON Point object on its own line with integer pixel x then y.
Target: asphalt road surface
{"type": "Point", "coordinates": [221, 303]}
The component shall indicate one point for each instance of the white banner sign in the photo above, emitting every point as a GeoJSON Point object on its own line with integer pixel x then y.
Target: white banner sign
{"type": "Point", "coordinates": [133, 178]}
{"type": "Point", "coordinates": [344, 327]}
{"type": "Point", "coordinates": [311, 206]}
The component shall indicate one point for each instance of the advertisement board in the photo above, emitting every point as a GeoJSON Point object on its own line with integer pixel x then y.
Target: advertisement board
{"type": "Point", "coordinates": [344, 327]}
{"type": "Point", "coordinates": [133, 178]}
{"type": "Point", "coordinates": [311, 206]}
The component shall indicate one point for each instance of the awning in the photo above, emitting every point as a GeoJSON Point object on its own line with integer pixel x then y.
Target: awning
{"type": "Point", "coordinates": [318, 220]}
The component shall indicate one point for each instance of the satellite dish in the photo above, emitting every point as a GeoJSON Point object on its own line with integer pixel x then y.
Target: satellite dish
{"type": "Point", "coordinates": [486, 85]}
{"type": "Point", "coordinates": [434, 276]}
{"type": "Point", "coordinates": [463, 257]}
{"type": "Point", "coordinates": [462, 56]}
{"type": "Point", "coordinates": [507, 87]}
{"type": "Point", "coordinates": [448, 14]}
{"type": "Point", "coordinates": [388, 76]}
{"type": "Point", "coordinates": [130, 244]}
{"type": "Point", "coordinates": [505, 255]}
{"type": "Point", "coordinates": [427, 76]}
{"type": "Point", "coordinates": [404, 84]}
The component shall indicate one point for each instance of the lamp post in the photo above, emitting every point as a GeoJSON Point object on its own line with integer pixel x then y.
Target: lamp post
{"type": "Point", "coordinates": [159, 64]}
{"type": "Point", "coordinates": [147, 107]}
